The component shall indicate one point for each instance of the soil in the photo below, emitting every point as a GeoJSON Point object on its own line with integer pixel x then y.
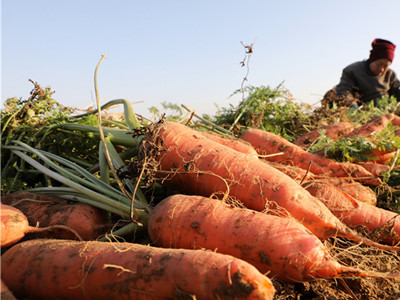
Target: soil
{"type": "Point", "coordinates": [385, 262]}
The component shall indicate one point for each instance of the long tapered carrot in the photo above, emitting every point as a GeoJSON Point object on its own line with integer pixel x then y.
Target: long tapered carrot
{"type": "Point", "coordinates": [281, 246]}
{"type": "Point", "coordinates": [14, 226]}
{"type": "Point", "coordinates": [191, 163]}
{"type": "Point", "coordinates": [369, 131]}
{"type": "Point", "coordinates": [232, 142]}
{"type": "Point", "coordinates": [356, 213]}
{"type": "Point", "coordinates": [88, 221]}
{"type": "Point", "coordinates": [377, 168]}
{"type": "Point", "coordinates": [62, 269]}
{"type": "Point", "coordinates": [375, 125]}
{"type": "Point", "coordinates": [354, 189]}
{"type": "Point", "coordinates": [268, 143]}
{"type": "Point", "coordinates": [333, 131]}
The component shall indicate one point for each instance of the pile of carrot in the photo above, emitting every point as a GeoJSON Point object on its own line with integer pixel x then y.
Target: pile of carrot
{"type": "Point", "coordinates": [193, 164]}
{"type": "Point", "coordinates": [243, 207]}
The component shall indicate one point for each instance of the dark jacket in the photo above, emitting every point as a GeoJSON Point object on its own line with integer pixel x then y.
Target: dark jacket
{"type": "Point", "coordinates": [358, 81]}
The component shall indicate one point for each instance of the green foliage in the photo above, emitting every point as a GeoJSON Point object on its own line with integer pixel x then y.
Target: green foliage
{"type": "Point", "coordinates": [29, 121]}
{"type": "Point", "coordinates": [369, 110]}
{"type": "Point", "coordinates": [390, 197]}
{"type": "Point", "coordinates": [267, 108]}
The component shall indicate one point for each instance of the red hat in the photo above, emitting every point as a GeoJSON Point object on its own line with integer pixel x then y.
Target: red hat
{"type": "Point", "coordinates": [382, 49]}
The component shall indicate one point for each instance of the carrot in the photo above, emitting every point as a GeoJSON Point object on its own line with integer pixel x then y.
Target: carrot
{"type": "Point", "coordinates": [396, 120]}
{"type": "Point", "coordinates": [333, 131]}
{"type": "Point", "coordinates": [353, 189]}
{"type": "Point", "coordinates": [375, 125]}
{"type": "Point", "coordinates": [357, 213]}
{"type": "Point", "coordinates": [293, 172]}
{"type": "Point", "coordinates": [281, 246]}
{"type": "Point", "coordinates": [6, 294]}
{"type": "Point", "coordinates": [234, 143]}
{"type": "Point", "coordinates": [14, 226]}
{"type": "Point", "coordinates": [190, 163]}
{"type": "Point", "coordinates": [62, 269]}
{"type": "Point", "coordinates": [269, 143]}
{"type": "Point", "coordinates": [377, 168]}
{"type": "Point", "coordinates": [88, 221]}
{"type": "Point", "coordinates": [382, 156]}
{"type": "Point", "coordinates": [245, 147]}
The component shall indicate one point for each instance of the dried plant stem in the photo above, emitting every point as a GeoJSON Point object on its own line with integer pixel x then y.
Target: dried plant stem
{"type": "Point", "coordinates": [106, 152]}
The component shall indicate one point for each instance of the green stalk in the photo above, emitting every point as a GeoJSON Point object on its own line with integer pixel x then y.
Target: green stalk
{"type": "Point", "coordinates": [129, 113]}
{"type": "Point", "coordinates": [117, 136]}
{"type": "Point", "coordinates": [93, 183]}
{"type": "Point", "coordinates": [71, 194]}
{"type": "Point", "coordinates": [119, 164]}
{"type": "Point", "coordinates": [103, 141]}
{"type": "Point", "coordinates": [103, 166]}
{"type": "Point", "coordinates": [84, 190]}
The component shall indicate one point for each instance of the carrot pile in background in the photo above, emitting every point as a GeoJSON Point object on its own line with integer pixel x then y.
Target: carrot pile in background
{"type": "Point", "coordinates": [184, 209]}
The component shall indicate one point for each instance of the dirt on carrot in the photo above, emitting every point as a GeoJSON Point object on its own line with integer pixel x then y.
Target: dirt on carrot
{"type": "Point", "coordinates": [190, 163]}
{"type": "Point", "coordinates": [379, 224]}
{"type": "Point", "coordinates": [354, 189]}
{"type": "Point", "coordinates": [283, 247]}
{"type": "Point", "coordinates": [14, 226]}
{"type": "Point", "coordinates": [61, 269]}
{"type": "Point", "coordinates": [88, 221]}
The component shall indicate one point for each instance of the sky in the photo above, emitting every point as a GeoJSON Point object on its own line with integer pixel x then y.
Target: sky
{"type": "Point", "coordinates": [186, 52]}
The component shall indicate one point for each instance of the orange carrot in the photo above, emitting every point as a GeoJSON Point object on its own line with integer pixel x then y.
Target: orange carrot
{"type": "Point", "coordinates": [293, 172]}
{"type": "Point", "coordinates": [353, 189]}
{"type": "Point", "coordinates": [281, 246]}
{"type": "Point", "coordinates": [88, 221]}
{"type": "Point", "coordinates": [375, 125]}
{"type": "Point", "coordinates": [356, 213]}
{"type": "Point", "coordinates": [245, 147]}
{"type": "Point", "coordinates": [6, 294]}
{"type": "Point", "coordinates": [191, 163]}
{"type": "Point", "coordinates": [382, 156]}
{"type": "Point", "coordinates": [14, 226]}
{"type": "Point", "coordinates": [333, 131]}
{"type": "Point", "coordinates": [61, 269]}
{"type": "Point", "coordinates": [268, 143]}
{"type": "Point", "coordinates": [396, 120]}
{"type": "Point", "coordinates": [234, 143]}
{"type": "Point", "coordinates": [377, 168]}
